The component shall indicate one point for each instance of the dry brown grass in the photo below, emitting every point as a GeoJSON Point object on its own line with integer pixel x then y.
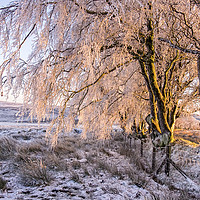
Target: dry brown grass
{"type": "Point", "coordinates": [135, 158]}
{"type": "Point", "coordinates": [32, 147]}
{"type": "Point", "coordinates": [64, 149]}
{"type": "Point", "coordinates": [86, 171]}
{"type": "Point", "coordinates": [92, 155]}
{"type": "Point", "coordinates": [35, 172]}
{"type": "Point", "coordinates": [105, 151]}
{"type": "Point", "coordinates": [75, 176]}
{"type": "Point", "coordinates": [54, 162]}
{"type": "Point", "coordinates": [76, 164]}
{"type": "Point", "coordinates": [66, 146]}
{"type": "Point", "coordinates": [8, 147]}
{"type": "Point", "coordinates": [188, 137]}
{"type": "Point", "coordinates": [36, 161]}
{"type": "Point", "coordinates": [25, 151]}
{"type": "Point", "coordinates": [3, 184]}
{"type": "Point", "coordinates": [136, 177]}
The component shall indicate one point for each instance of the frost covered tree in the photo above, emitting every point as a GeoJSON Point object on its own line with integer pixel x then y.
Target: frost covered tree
{"type": "Point", "coordinates": [101, 59]}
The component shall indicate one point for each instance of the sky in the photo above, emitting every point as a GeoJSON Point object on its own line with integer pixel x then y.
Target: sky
{"type": "Point", "coordinates": [4, 2]}
{"type": "Point", "coordinates": [24, 54]}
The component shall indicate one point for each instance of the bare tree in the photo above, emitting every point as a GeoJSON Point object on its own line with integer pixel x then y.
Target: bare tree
{"type": "Point", "coordinates": [90, 57]}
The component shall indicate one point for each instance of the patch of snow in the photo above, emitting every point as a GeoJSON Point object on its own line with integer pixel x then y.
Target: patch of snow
{"type": "Point", "coordinates": [97, 184]}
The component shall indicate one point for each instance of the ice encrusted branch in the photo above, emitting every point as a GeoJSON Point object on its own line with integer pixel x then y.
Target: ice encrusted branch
{"type": "Point", "coordinates": [178, 47]}
{"type": "Point", "coordinates": [195, 52]}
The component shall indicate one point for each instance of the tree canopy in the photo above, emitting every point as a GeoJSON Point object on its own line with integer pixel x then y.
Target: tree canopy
{"type": "Point", "coordinates": [103, 59]}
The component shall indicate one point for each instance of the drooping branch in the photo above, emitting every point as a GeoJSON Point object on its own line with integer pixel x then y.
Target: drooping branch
{"type": "Point", "coordinates": [6, 62]}
{"type": "Point", "coordinates": [167, 73]}
{"type": "Point", "coordinates": [91, 12]}
{"type": "Point", "coordinates": [14, 5]}
{"type": "Point", "coordinates": [195, 52]}
{"type": "Point", "coordinates": [178, 47]}
{"type": "Point", "coordinates": [27, 36]}
{"type": "Point", "coordinates": [101, 76]}
{"type": "Point", "coordinates": [73, 93]}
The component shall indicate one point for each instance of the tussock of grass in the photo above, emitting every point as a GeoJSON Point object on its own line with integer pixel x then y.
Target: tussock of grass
{"type": "Point", "coordinates": [91, 156]}
{"type": "Point", "coordinates": [106, 152]}
{"type": "Point", "coordinates": [75, 177]}
{"type": "Point", "coordinates": [103, 165]}
{"type": "Point", "coordinates": [76, 164]}
{"type": "Point", "coordinates": [86, 171]}
{"type": "Point", "coordinates": [137, 178]}
{"type": "Point", "coordinates": [126, 151]}
{"type": "Point", "coordinates": [112, 169]}
{"type": "Point", "coordinates": [54, 162]}
{"type": "Point", "coordinates": [7, 148]}
{"type": "Point", "coordinates": [64, 148]}
{"type": "Point", "coordinates": [25, 151]}
{"type": "Point", "coordinates": [33, 147]}
{"type": "Point", "coordinates": [21, 157]}
{"type": "Point", "coordinates": [35, 172]}
{"type": "Point", "coordinates": [3, 184]}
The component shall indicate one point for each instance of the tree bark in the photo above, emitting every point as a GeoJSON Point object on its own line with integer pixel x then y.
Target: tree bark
{"type": "Point", "coordinates": [152, 100]}
{"type": "Point", "coordinates": [141, 148]}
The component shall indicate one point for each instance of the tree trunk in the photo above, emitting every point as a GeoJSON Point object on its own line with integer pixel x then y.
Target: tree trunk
{"type": "Point", "coordinates": [161, 105]}
{"type": "Point", "coordinates": [141, 148]}
{"type": "Point", "coordinates": [153, 83]}
{"type": "Point", "coordinates": [161, 128]}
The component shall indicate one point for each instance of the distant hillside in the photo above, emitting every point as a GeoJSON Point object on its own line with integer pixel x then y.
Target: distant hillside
{"type": "Point", "coordinates": [10, 112]}
{"type": "Point", "coordinates": [191, 122]}
{"type": "Point", "coordinates": [5, 104]}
